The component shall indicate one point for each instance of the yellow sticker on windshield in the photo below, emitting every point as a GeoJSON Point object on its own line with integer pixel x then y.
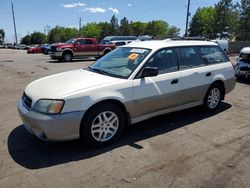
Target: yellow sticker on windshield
{"type": "Point", "coordinates": [133, 56]}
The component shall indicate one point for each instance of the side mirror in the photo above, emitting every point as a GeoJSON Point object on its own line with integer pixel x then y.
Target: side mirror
{"type": "Point", "coordinates": [76, 43]}
{"type": "Point", "coordinates": [149, 72]}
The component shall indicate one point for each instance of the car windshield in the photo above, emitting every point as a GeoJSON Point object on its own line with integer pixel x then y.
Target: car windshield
{"type": "Point", "coordinates": [120, 62]}
{"type": "Point", "coordinates": [71, 41]}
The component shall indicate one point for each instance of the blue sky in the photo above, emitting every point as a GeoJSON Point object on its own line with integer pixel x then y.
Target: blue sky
{"type": "Point", "coordinates": [34, 15]}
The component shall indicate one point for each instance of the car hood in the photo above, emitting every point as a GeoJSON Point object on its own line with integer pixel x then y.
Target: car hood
{"type": "Point", "coordinates": [62, 45]}
{"type": "Point", "coordinates": [59, 85]}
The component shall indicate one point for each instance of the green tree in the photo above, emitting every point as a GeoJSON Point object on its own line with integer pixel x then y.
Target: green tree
{"type": "Point", "coordinates": [26, 40]}
{"type": "Point", "coordinates": [125, 28]}
{"type": "Point", "coordinates": [202, 22]}
{"type": "Point", "coordinates": [92, 30]}
{"type": "Point", "coordinates": [138, 28]}
{"type": "Point", "coordinates": [225, 19]}
{"type": "Point", "coordinates": [62, 34]}
{"type": "Point", "coordinates": [38, 38]}
{"type": "Point", "coordinates": [105, 29]}
{"type": "Point", "coordinates": [243, 30]}
{"type": "Point", "coordinates": [172, 32]}
{"type": "Point", "coordinates": [2, 36]}
{"type": "Point", "coordinates": [157, 28]}
{"type": "Point", "coordinates": [114, 26]}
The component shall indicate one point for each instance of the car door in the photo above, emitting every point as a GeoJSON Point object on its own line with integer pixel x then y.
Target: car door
{"type": "Point", "coordinates": [85, 47]}
{"type": "Point", "coordinates": [153, 94]}
{"type": "Point", "coordinates": [90, 49]}
{"type": "Point", "coordinates": [195, 75]}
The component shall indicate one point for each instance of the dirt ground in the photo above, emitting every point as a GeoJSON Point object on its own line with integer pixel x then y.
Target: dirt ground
{"type": "Point", "coordinates": [189, 148]}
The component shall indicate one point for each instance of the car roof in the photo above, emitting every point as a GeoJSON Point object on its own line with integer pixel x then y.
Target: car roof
{"type": "Point", "coordinates": [157, 44]}
{"type": "Point", "coordinates": [245, 50]}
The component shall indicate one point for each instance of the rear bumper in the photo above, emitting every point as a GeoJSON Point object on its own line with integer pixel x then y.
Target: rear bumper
{"type": "Point", "coordinates": [51, 127]}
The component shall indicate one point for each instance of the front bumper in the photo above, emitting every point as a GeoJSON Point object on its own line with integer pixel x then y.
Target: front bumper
{"type": "Point", "coordinates": [241, 73]}
{"type": "Point", "coordinates": [56, 55]}
{"type": "Point", "coordinates": [59, 127]}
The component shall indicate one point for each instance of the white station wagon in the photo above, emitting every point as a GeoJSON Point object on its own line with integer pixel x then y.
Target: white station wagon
{"type": "Point", "coordinates": [133, 83]}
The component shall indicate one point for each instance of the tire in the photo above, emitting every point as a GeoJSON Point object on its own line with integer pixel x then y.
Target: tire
{"type": "Point", "coordinates": [48, 52]}
{"type": "Point", "coordinates": [106, 52]}
{"type": "Point", "coordinates": [213, 97]}
{"type": "Point", "coordinates": [67, 57]}
{"type": "Point", "coordinates": [102, 126]}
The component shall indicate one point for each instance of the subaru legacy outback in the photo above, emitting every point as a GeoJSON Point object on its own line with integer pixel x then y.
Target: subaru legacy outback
{"type": "Point", "coordinates": [132, 83]}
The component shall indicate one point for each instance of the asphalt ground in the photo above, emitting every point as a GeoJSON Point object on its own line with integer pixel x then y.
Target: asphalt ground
{"type": "Point", "coordinates": [190, 148]}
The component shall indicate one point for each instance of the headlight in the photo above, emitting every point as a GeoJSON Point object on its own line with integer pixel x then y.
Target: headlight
{"type": "Point", "coordinates": [59, 49]}
{"type": "Point", "coordinates": [49, 106]}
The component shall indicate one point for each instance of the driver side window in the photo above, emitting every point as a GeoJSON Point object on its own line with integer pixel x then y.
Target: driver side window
{"type": "Point", "coordinates": [164, 60]}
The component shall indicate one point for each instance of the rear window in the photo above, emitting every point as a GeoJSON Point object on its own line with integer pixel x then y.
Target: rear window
{"type": "Point", "coordinates": [213, 54]}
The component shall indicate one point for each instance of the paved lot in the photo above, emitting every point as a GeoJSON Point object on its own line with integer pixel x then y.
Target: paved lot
{"type": "Point", "coordinates": [190, 148]}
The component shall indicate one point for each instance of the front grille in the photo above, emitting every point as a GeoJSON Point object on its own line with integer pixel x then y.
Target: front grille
{"type": "Point", "coordinates": [26, 101]}
{"type": "Point", "coordinates": [245, 68]}
{"type": "Point", "coordinates": [53, 48]}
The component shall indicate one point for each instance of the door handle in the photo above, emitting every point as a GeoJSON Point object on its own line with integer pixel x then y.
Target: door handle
{"type": "Point", "coordinates": [208, 74]}
{"type": "Point", "coordinates": [175, 81]}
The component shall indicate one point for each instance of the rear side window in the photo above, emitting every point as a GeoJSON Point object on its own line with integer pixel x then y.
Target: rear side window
{"type": "Point", "coordinates": [189, 57]}
{"type": "Point", "coordinates": [213, 54]}
{"type": "Point", "coordinates": [88, 41]}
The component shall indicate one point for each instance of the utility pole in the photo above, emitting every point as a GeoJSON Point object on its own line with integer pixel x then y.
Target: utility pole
{"type": "Point", "coordinates": [14, 21]}
{"type": "Point", "coordinates": [188, 14]}
{"type": "Point", "coordinates": [80, 25]}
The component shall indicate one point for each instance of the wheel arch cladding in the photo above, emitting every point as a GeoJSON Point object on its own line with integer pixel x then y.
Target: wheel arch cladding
{"type": "Point", "coordinates": [108, 101]}
{"type": "Point", "coordinates": [220, 83]}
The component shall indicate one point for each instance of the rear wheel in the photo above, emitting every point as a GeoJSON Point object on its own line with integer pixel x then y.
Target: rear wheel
{"type": "Point", "coordinates": [213, 97]}
{"type": "Point", "coordinates": [103, 125]}
{"type": "Point", "coordinates": [106, 52]}
{"type": "Point", "coordinates": [67, 57]}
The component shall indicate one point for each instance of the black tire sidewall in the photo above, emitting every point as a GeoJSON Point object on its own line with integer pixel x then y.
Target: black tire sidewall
{"type": "Point", "coordinates": [85, 130]}
{"type": "Point", "coordinates": [205, 102]}
{"type": "Point", "coordinates": [65, 55]}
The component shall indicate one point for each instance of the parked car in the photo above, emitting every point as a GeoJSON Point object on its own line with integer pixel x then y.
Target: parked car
{"type": "Point", "coordinates": [119, 42]}
{"type": "Point", "coordinates": [46, 49]}
{"type": "Point", "coordinates": [132, 83]}
{"type": "Point", "coordinates": [34, 49]}
{"type": "Point", "coordinates": [242, 67]}
{"type": "Point", "coordinates": [108, 39]}
{"type": "Point", "coordinates": [79, 48]}
{"type": "Point", "coordinates": [223, 44]}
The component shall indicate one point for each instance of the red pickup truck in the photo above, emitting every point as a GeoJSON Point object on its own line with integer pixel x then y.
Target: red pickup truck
{"type": "Point", "coordinates": [78, 48]}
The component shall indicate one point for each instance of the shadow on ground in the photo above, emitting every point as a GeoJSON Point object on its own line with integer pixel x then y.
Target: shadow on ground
{"type": "Point", "coordinates": [244, 80]}
{"type": "Point", "coordinates": [29, 152]}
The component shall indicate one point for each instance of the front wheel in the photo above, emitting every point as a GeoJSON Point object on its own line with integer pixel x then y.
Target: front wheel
{"type": "Point", "coordinates": [102, 125]}
{"type": "Point", "coordinates": [213, 97]}
{"type": "Point", "coordinates": [67, 57]}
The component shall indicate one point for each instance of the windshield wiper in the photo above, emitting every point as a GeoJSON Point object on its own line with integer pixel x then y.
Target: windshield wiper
{"type": "Point", "coordinates": [100, 71]}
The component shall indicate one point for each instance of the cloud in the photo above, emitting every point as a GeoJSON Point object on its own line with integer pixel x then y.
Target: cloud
{"type": "Point", "coordinates": [95, 10]}
{"type": "Point", "coordinates": [73, 5]}
{"type": "Point", "coordinates": [130, 5]}
{"type": "Point", "coordinates": [114, 10]}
